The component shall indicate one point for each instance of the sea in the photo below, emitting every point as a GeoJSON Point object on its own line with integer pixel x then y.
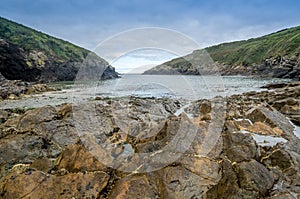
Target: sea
{"type": "Point", "coordinates": [160, 86]}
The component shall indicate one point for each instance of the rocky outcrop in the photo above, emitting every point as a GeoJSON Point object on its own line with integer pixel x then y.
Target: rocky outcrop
{"type": "Point", "coordinates": [29, 55]}
{"type": "Point", "coordinates": [273, 55]}
{"type": "Point", "coordinates": [277, 67]}
{"type": "Point", "coordinates": [16, 64]}
{"type": "Point", "coordinates": [46, 152]}
{"type": "Point", "coordinates": [14, 89]}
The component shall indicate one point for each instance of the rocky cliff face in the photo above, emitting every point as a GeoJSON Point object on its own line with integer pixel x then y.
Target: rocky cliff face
{"type": "Point", "coordinates": [276, 67]}
{"type": "Point", "coordinates": [19, 64]}
{"type": "Point", "coordinates": [43, 155]}
{"type": "Point", "coordinates": [29, 55]}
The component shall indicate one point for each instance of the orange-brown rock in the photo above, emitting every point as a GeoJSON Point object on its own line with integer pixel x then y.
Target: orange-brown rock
{"type": "Point", "coordinates": [36, 184]}
{"type": "Point", "coordinates": [76, 158]}
{"type": "Point", "coordinates": [264, 129]}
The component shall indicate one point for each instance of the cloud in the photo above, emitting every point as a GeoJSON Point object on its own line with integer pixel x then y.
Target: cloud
{"type": "Point", "coordinates": [88, 23]}
{"type": "Point", "coordinates": [141, 60]}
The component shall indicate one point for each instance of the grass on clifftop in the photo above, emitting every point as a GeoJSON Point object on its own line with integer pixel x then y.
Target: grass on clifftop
{"type": "Point", "coordinates": [253, 51]}
{"type": "Point", "coordinates": [32, 40]}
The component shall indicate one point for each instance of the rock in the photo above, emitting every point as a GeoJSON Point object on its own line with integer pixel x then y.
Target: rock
{"type": "Point", "coordinates": [36, 134]}
{"type": "Point", "coordinates": [76, 158]}
{"type": "Point", "coordinates": [273, 118]}
{"type": "Point", "coordinates": [34, 184]}
{"type": "Point", "coordinates": [25, 148]}
{"type": "Point", "coordinates": [43, 164]}
{"type": "Point", "coordinates": [283, 196]}
{"type": "Point", "coordinates": [44, 154]}
{"type": "Point", "coordinates": [207, 169]}
{"type": "Point", "coordinates": [45, 58]}
{"type": "Point", "coordinates": [228, 186]}
{"type": "Point", "coordinates": [12, 96]}
{"type": "Point", "coordinates": [240, 147]}
{"type": "Point", "coordinates": [253, 176]}
{"type": "Point", "coordinates": [274, 86]}
{"type": "Point", "coordinates": [13, 89]}
{"type": "Point", "coordinates": [38, 88]}
{"type": "Point", "coordinates": [133, 187]}
{"type": "Point", "coordinates": [284, 161]}
{"type": "Point", "coordinates": [4, 115]}
{"type": "Point", "coordinates": [178, 182]}
{"type": "Point", "coordinates": [264, 129]}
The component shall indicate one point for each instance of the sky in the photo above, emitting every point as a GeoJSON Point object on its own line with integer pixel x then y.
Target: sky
{"type": "Point", "coordinates": [87, 23]}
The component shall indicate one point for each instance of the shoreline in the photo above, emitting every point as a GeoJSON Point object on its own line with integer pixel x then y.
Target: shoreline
{"type": "Point", "coordinates": [251, 141]}
{"type": "Point", "coordinates": [68, 92]}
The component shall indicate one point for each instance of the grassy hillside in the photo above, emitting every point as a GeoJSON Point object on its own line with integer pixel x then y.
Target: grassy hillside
{"type": "Point", "coordinates": [273, 55]}
{"type": "Point", "coordinates": [253, 51]}
{"type": "Point", "coordinates": [30, 39]}
{"type": "Point", "coordinates": [30, 55]}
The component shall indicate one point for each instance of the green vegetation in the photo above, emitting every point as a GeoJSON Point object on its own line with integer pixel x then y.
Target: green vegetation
{"type": "Point", "coordinates": [253, 51]}
{"type": "Point", "coordinates": [32, 40]}
{"type": "Point", "coordinates": [247, 52]}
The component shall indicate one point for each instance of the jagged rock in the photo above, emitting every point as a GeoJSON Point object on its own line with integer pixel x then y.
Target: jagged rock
{"type": "Point", "coordinates": [3, 116]}
{"type": "Point", "coordinates": [208, 169]}
{"type": "Point", "coordinates": [240, 147]}
{"type": "Point", "coordinates": [76, 158]}
{"type": "Point", "coordinates": [227, 186]}
{"type": "Point", "coordinates": [34, 184]}
{"type": "Point", "coordinates": [264, 129]}
{"type": "Point", "coordinates": [44, 154]}
{"type": "Point", "coordinates": [178, 182]}
{"type": "Point", "coordinates": [284, 162]}
{"type": "Point", "coordinates": [133, 187]}
{"type": "Point", "coordinates": [35, 56]}
{"type": "Point", "coordinates": [14, 89]}
{"type": "Point", "coordinates": [253, 176]}
{"type": "Point", "coordinates": [43, 164]}
{"type": "Point", "coordinates": [37, 134]}
{"type": "Point", "coordinates": [283, 196]}
{"type": "Point", "coordinates": [25, 148]}
{"type": "Point", "coordinates": [272, 118]}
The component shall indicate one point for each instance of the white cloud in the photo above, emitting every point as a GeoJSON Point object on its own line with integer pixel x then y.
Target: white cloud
{"type": "Point", "coordinates": [141, 60]}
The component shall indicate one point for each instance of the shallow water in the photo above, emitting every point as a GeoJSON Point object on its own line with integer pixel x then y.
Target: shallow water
{"type": "Point", "coordinates": [182, 87]}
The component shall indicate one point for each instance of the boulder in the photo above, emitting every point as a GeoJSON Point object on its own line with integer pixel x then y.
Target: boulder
{"type": "Point", "coordinates": [76, 158]}
{"type": "Point", "coordinates": [264, 129]}
{"type": "Point", "coordinates": [178, 182]}
{"type": "Point", "coordinates": [136, 186]}
{"type": "Point", "coordinates": [240, 147]}
{"type": "Point", "coordinates": [253, 176]}
{"type": "Point", "coordinates": [228, 186]}
{"type": "Point", "coordinates": [271, 117]}
{"type": "Point", "coordinates": [34, 184]}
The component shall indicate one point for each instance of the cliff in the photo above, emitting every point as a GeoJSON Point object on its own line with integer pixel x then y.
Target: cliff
{"type": "Point", "coordinates": [273, 55]}
{"type": "Point", "coordinates": [29, 55]}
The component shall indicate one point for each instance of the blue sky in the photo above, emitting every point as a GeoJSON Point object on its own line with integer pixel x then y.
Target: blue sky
{"type": "Point", "coordinates": [88, 22]}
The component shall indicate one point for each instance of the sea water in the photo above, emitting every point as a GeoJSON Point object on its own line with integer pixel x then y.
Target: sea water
{"type": "Point", "coordinates": [171, 86]}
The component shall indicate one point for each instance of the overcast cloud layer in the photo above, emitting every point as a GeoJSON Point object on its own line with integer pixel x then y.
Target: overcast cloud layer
{"type": "Point", "coordinates": [89, 22]}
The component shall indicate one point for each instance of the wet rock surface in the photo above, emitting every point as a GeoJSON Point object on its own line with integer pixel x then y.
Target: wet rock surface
{"type": "Point", "coordinates": [154, 148]}
{"type": "Point", "coordinates": [15, 89]}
